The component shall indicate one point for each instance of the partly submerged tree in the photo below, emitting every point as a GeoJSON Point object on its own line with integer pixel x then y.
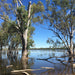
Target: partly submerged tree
{"type": "Point", "coordinates": [22, 25]}
{"type": "Point", "coordinates": [60, 17]}
{"type": "Point", "coordinates": [5, 11]}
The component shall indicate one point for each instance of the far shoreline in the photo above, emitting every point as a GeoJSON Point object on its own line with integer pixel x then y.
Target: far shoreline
{"type": "Point", "coordinates": [36, 49]}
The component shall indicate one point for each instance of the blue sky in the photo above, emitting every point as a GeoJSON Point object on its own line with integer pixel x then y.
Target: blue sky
{"type": "Point", "coordinates": [40, 36]}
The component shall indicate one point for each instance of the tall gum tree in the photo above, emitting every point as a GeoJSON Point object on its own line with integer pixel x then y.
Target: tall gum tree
{"type": "Point", "coordinates": [60, 16]}
{"type": "Point", "coordinates": [23, 20]}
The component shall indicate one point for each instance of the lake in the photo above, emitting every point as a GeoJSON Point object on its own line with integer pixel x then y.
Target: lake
{"type": "Point", "coordinates": [40, 60]}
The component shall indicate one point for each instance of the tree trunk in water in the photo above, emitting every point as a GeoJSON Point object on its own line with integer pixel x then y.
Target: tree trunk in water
{"type": "Point", "coordinates": [24, 45]}
{"type": "Point", "coordinates": [25, 63]}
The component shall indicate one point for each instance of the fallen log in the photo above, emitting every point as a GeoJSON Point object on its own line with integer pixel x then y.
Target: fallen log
{"type": "Point", "coordinates": [16, 71]}
{"type": "Point", "coordinates": [26, 70]}
{"type": "Point", "coordinates": [26, 73]}
{"type": "Point", "coordinates": [9, 66]}
{"type": "Point", "coordinates": [47, 68]}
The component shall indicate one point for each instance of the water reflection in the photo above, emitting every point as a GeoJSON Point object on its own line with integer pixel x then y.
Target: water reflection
{"type": "Point", "coordinates": [55, 59]}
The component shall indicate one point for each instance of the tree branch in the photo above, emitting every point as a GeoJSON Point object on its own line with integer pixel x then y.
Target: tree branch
{"type": "Point", "coordinates": [66, 42]}
{"type": "Point", "coordinates": [58, 36]}
{"type": "Point", "coordinates": [29, 15]}
{"type": "Point", "coordinates": [20, 2]}
{"type": "Point", "coordinates": [73, 30]}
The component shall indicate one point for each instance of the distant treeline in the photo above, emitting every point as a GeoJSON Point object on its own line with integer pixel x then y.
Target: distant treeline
{"type": "Point", "coordinates": [45, 48]}
{"type": "Point", "coordinates": [39, 48]}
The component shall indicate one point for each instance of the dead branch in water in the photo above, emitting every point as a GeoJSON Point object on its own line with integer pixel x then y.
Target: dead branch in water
{"type": "Point", "coordinates": [17, 71]}
{"type": "Point", "coordinates": [26, 70]}
{"type": "Point", "coordinates": [47, 68]}
{"type": "Point", "coordinates": [26, 73]}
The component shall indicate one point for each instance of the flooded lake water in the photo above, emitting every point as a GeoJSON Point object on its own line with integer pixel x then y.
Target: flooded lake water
{"type": "Point", "coordinates": [38, 59]}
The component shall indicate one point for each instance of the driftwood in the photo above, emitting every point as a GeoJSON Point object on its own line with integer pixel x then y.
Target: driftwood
{"type": "Point", "coordinates": [9, 66]}
{"type": "Point", "coordinates": [26, 70]}
{"type": "Point", "coordinates": [16, 71]}
{"type": "Point", "coordinates": [26, 73]}
{"type": "Point", "coordinates": [47, 67]}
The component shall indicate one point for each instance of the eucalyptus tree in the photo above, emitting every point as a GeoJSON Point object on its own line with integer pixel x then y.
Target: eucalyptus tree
{"type": "Point", "coordinates": [24, 18]}
{"type": "Point", "coordinates": [60, 16]}
{"type": "Point", "coordinates": [6, 11]}
{"type": "Point", "coordinates": [22, 23]}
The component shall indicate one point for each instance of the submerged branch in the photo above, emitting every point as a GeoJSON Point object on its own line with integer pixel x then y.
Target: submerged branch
{"type": "Point", "coordinates": [24, 70]}
{"type": "Point", "coordinates": [18, 71]}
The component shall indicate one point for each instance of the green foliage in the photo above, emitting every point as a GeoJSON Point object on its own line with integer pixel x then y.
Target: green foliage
{"type": "Point", "coordinates": [12, 27]}
{"type": "Point", "coordinates": [14, 1]}
{"type": "Point", "coordinates": [60, 15]}
{"type": "Point", "coordinates": [37, 7]}
{"type": "Point", "coordinates": [50, 41]}
{"type": "Point", "coordinates": [55, 44]}
{"type": "Point", "coordinates": [29, 39]}
{"type": "Point", "coordinates": [31, 30]}
{"type": "Point", "coordinates": [5, 8]}
{"type": "Point", "coordinates": [3, 37]}
{"type": "Point", "coordinates": [30, 43]}
{"type": "Point", "coordinates": [22, 17]}
{"type": "Point", "coordinates": [37, 19]}
{"type": "Point", "coordinates": [11, 31]}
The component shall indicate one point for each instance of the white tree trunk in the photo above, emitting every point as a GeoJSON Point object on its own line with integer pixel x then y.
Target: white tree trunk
{"type": "Point", "coordinates": [24, 50]}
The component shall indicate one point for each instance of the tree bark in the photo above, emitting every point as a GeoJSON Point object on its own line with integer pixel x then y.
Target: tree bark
{"type": "Point", "coordinates": [24, 45]}
{"type": "Point", "coordinates": [1, 47]}
{"type": "Point", "coordinates": [25, 63]}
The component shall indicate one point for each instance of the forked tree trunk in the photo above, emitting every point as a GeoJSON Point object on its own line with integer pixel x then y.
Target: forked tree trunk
{"type": "Point", "coordinates": [24, 35]}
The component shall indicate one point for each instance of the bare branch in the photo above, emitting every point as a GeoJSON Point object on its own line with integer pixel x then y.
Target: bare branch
{"type": "Point", "coordinates": [67, 42]}
{"type": "Point", "coordinates": [20, 2]}
{"type": "Point", "coordinates": [29, 15]}
{"type": "Point", "coordinates": [58, 36]}
{"type": "Point", "coordinates": [3, 18]}
{"type": "Point", "coordinates": [17, 17]}
{"type": "Point", "coordinates": [17, 4]}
